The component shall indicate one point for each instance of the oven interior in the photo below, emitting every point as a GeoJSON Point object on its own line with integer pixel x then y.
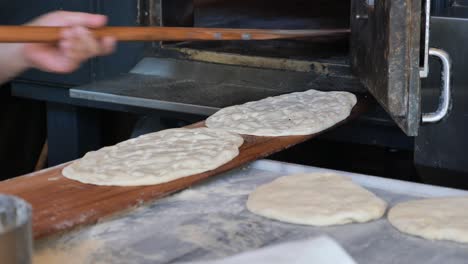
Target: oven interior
{"type": "Point", "coordinates": [202, 77]}
{"type": "Point", "coordinates": [263, 14]}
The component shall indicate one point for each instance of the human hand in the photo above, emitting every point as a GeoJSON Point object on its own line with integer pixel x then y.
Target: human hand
{"type": "Point", "coordinates": [76, 46]}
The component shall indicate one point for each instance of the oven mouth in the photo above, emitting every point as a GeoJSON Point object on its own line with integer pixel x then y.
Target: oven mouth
{"type": "Point", "coordinates": [260, 14]}
{"type": "Point", "coordinates": [202, 77]}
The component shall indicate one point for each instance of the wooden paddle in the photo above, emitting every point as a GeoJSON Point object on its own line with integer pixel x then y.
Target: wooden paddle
{"type": "Point", "coordinates": [52, 34]}
{"type": "Point", "coordinates": [60, 204]}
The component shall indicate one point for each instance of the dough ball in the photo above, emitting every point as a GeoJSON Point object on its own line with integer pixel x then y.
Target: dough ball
{"type": "Point", "coordinates": [319, 199]}
{"type": "Point", "coordinates": [434, 219]}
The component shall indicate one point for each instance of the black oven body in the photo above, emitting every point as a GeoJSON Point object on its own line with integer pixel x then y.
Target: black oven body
{"type": "Point", "coordinates": [373, 60]}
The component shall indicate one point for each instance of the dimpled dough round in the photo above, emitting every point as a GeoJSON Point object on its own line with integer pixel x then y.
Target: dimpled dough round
{"type": "Point", "coordinates": [301, 113]}
{"type": "Point", "coordinates": [434, 219]}
{"type": "Point", "coordinates": [318, 199]}
{"type": "Point", "coordinates": [157, 157]}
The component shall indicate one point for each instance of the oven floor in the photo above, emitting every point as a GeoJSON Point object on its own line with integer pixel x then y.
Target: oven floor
{"type": "Point", "coordinates": [203, 88]}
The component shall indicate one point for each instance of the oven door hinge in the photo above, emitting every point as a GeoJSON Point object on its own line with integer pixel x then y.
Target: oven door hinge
{"type": "Point", "coordinates": [445, 95]}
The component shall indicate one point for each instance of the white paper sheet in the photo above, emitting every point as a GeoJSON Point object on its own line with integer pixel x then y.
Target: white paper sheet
{"type": "Point", "coordinates": [321, 250]}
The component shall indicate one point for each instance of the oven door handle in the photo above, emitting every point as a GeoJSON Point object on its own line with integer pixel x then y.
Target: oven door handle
{"type": "Point", "coordinates": [445, 95]}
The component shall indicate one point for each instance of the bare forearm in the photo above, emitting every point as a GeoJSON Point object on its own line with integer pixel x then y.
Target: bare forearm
{"type": "Point", "coordinates": [76, 46]}
{"type": "Point", "coordinates": [12, 61]}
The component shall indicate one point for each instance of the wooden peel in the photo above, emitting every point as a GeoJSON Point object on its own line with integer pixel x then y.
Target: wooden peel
{"type": "Point", "coordinates": [60, 204]}
{"type": "Point", "coordinates": [52, 34]}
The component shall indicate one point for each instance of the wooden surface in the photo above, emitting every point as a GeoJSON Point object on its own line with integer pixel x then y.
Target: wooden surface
{"type": "Point", "coordinates": [52, 34]}
{"type": "Point", "coordinates": [60, 204]}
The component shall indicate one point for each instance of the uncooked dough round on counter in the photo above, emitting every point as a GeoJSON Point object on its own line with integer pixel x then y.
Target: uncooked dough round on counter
{"type": "Point", "coordinates": [434, 219]}
{"type": "Point", "coordinates": [157, 157]}
{"type": "Point", "coordinates": [301, 113]}
{"type": "Point", "coordinates": [319, 199]}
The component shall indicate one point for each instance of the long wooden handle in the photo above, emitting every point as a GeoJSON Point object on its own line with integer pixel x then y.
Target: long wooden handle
{"type": "Point", "coordinates": [60, 204]}
{"type": "Point", "coordinates": [52, 34]}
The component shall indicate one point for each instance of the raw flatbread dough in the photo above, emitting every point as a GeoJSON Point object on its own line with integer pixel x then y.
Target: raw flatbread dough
{"type": "Point", "coordinates": [318, 199]}
{"type": "Point", "coordinates": [301, 113]}
{"type": "Point", "coordinates": [157, 157]}
{"type": "Point", "coordinates": [435, 219]}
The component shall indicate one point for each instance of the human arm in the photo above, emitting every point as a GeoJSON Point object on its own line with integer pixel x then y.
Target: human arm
{"type": "Point", "coordinates": [76, 46]}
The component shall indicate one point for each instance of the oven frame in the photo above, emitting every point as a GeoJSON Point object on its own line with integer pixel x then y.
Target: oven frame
{"type": "Point", "coordinates": [389, 63]}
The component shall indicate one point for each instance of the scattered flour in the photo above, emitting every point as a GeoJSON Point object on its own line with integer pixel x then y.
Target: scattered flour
{"type": "Point", "coordinates": [76, 253]}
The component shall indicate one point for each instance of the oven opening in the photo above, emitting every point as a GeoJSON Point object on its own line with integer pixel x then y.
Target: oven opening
{"type": "Point", "coordinates": [263, 14]}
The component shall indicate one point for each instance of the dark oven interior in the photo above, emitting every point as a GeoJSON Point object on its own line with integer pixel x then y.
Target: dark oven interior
{"type": "Point", "coordinates": [261, 14]}
{"type": "Point", "coordinates": [383, 49]}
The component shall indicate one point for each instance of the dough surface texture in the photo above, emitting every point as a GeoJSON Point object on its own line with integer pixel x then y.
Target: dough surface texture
{"type": "Point", "coordinates": [434, 219]}
{"type": "Point", "coordinates": [318, 199]}
{"type": "Point", "coordinates": [301, 113]}
{"type": "Point", "coordinates": [157, 157]}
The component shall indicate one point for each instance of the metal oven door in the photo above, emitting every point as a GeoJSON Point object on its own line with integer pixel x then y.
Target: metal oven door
{"type": "Point", "coordinates": [385, 55]}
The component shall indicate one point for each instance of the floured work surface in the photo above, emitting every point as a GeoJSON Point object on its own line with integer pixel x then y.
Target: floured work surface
{"type": "Point", "coordinates": [60, 204]}
{"type": "Point", "coordinates": [211, 221]}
